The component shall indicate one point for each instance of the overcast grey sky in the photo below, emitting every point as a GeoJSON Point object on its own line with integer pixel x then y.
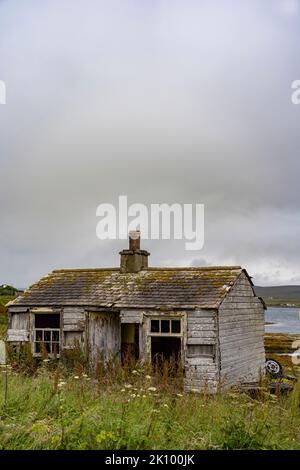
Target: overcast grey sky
{"type": "Point", "coordinates": [163, 101]}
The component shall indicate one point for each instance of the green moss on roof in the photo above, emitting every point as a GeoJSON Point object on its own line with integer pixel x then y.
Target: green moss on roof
{"type": "Point", "coordinates": [151, 288]}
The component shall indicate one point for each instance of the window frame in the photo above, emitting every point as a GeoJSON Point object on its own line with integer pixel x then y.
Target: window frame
{"type": "Point", "coordinates": [52, 330]}
{"type": "Point", "coordinates": [162, 333]}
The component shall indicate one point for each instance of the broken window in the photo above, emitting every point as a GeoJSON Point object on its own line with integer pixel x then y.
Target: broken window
{"type": "Point", "coordinates": [47, 333]}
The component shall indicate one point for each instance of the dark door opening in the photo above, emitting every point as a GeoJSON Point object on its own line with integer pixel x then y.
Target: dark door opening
{"type": "Point", "coordinates": [165, 349]}
{"type": "Point", "coordinates": [130, 347]}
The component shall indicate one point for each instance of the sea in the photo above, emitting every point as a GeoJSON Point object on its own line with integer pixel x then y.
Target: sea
{"type": "Point", "coordinates": [283, 320]}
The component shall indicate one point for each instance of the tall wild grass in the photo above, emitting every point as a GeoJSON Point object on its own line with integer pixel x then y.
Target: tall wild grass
{"type": "Point", "coordinates": [65, 405]}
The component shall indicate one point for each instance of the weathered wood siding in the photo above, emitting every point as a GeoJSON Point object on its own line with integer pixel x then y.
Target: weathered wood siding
{"type": "Point", "coordinates": [73, 326]}
{"type": "Point", "coordinates": [131, 316]}
{"type": "Point", "coordinates": [18, 327]}
{"type": "Point", "coordinates": [201, 370]}
{"type": "Point", "coordinates": [104, 336]}
{"type": "Point", "coordinates": [241, 335]}
{"type": "Point", "coordinates": [73, 319]}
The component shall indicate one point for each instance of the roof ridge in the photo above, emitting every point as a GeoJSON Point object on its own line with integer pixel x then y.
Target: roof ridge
{"type": "Point", "coordinates": [192, 268]}
{"type": "Point", "coordinates": [83, 269]}
{"type": "Point", "coordinates": [153, 268]}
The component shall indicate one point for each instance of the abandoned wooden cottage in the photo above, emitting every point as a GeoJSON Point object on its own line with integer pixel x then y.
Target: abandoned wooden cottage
{"type": "Point", "coordinates": [209, 318]}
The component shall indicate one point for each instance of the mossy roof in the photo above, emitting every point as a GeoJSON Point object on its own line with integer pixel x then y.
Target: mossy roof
{"type": "Point", "coordinates": [173, 288]}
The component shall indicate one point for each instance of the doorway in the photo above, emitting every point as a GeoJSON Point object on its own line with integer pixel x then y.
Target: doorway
{"type": "Point", "coordinates": [130, 347]}
{"type": "Point", "coordinates": [165, 349]}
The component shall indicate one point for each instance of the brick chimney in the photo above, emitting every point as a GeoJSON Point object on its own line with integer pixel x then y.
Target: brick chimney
{"type": "Point", "coordinates": [134, 259]}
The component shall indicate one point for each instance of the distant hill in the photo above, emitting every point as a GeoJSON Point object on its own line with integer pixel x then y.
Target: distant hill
{"type": "Point", "coordinates": [5, 289]}
{"type": "Point", "coordinates": [279, 295]}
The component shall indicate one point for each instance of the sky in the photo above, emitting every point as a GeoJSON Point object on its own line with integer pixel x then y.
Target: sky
{"type": "Point", "coordinates": [163, 101]}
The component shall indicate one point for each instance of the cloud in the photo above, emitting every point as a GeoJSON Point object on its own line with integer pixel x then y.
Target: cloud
{"type": "Point", "coordinates": [162, 101]}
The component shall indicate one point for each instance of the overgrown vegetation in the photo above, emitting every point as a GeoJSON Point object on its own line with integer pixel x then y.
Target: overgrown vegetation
{"type": "Point", "coordinates": [48, 404]}
{"type": "Point", "coordinates": [8, 290]}
{"type": "Point", "coordinates": [58, 407]}
{"type": "Point", "coordinates": [4, 299]}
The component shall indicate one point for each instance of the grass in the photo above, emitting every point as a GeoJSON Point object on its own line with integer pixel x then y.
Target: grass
{"type": "Point", "coordinates": [3, 316]}
{"type": "Point", "coordinates": [54, 409]}
{"type": "Point", "coordinates": [58, 406]}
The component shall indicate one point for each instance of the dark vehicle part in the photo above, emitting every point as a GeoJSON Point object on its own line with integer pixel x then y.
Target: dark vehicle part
{"type": "Point", "coordinates": [274, 368]}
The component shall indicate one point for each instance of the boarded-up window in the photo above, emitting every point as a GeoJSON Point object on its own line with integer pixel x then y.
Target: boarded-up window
{"type": "Point", "coordinates": [201, 350]}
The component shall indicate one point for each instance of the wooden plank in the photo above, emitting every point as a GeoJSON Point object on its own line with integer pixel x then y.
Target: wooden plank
{"type": "Point", "coordinates": [241, 338]}
{"type": "Point", "coordinates": [104, 338]}
{"type": "Point", "coordinates": [17, 335]}
{"type": "Point", "coordinates": [45, 310]}
{"type": "Point", "coordinates": [19, 321]}
{"type": "Point", "coordinates": [247, 317]}
{"type": "Point", "coordinates": [201, 314]}
{"type": "Point", "coordinates": [206, 340]}
{"type": "Point", "coordinates": [200, 327]}
{"type": "Point", "coordinates": [239, 356]}
{"type": "Point", "coordinates": [202, 334]}
{"type": "Point", "coordinates": [200, 321]}
{"type": "Point", "coordinates": [200, 361]}
{"type": "Point", "coordinates": [131, 316]}
{"type": "Point", "coordinates": [232, 334]}
{"type": "Point", "coordinates": [198, 369]}
{"type": "Point", "coordinates": [13, 309]}
{"type": "Point", "coordinates": [73, 319]}
{"type": "Point", "coordinates": [244, 369]}
{"type": "Point", "coordinates": [74, 327]}
{"type": "Point", "coordinates": [239, 305]}
{"type": "Point", "coordinates": [200, 376]}
{"type": "Point", "coordinates": [73, 314]}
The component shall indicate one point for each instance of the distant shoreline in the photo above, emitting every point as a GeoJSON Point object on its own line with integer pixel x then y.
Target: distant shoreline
{"type": "Point", "coordinates": [282, 305]}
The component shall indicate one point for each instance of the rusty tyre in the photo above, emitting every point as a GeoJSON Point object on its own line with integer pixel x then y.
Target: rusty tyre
{"type": "Point", "coordinates": [273, 368]}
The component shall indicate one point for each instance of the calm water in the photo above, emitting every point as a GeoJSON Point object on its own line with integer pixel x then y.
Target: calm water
{"type": "Point", "coordinates": [286, 320]}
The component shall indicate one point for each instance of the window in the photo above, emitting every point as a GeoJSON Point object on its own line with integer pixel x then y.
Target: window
{"type": "Point", "coordinates": [176, 326]}
{"type": "Point", "coordinates": [201, 350]}
{"type": "Point", "coordinates": [47, 333]}
{"type": "Point", "coordinates": [165, 326]}
{"type": "Point", "coordinates": [154, 326]}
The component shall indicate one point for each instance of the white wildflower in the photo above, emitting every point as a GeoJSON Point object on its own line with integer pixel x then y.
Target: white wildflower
{"type": "Point", "coordinates": [152, 389]}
